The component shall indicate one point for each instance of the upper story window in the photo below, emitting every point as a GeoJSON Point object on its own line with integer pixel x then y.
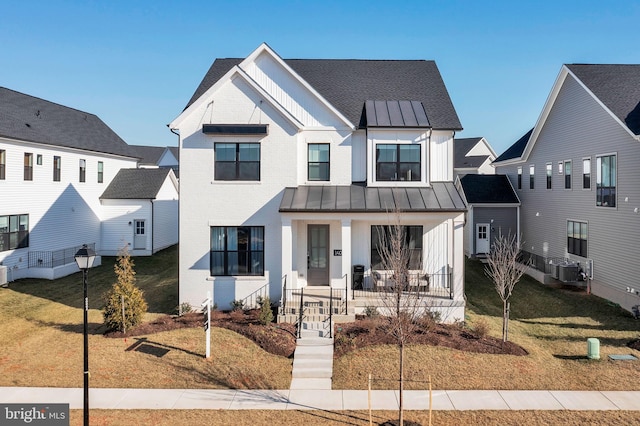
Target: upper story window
{"type": "Point", "coordinates": [237, 161]}
{"type": "Point", "coordinates": [577, 238]}
{"type": "Point", "coordinates": [586, 173]}
{"type": "Point", "coordinates": [318, 162]}
{"type": "Point", "coordinates": [57, 166]}
{"type": "Point", "coordinates": [3, 164]}
{"type": "Point", "coordinates": [606, 167]}
{"type": "Point", "coordinates": [39, 159]}
{"type": "Point", "coordinates": [549, 175]}
{"type": "Point", "coordinates": [100, 172]}
{"type": "Point", "coordinates": [83, 171]}
{"type": "Point", "coordinates": [567, 174]}
{"type": "Point", "coordinates": [14, 232]}
{"type": "Point", "coordinates": [532, 176]}
{"type": "Point", "coordinates": [237, 250]}
{"type": "Point", "coordinates": [28, 166]}
{"type": "Point", "coordinates": [519, 177]}
{"type": "Point", "coordinates": [398, 162]}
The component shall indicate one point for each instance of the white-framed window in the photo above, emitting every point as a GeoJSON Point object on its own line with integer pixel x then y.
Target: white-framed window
{"type": "Point", "coordinates": [237, 250]}
{"type": "Point", "coordinates": [586, 173]}
{"type": "Point", "coordinates": [28, 166]}
{"type": "Point", "coordinates": [57, 168]}
{"type": "Point", "coordinates": [318, 156]}
{"type": "Point", "coordinates": [567, 174]}
{"type": "Point", "coordinates": [606, 180]}
{"type": "Point", "coordinates": [82, 176]}
{"type": "Point", "coordinates": [549, 175]}
{"type": "Point", "coordinates": [236, 161]}
{"type": "Point", "coordinates": [3, 164]}
{"type": "Point", "coordinates": [100, 172]}
{"type": "Point", "coordinates": [398, 162]}
{"type": "Point", "coordinates": [532, 176]}
{"type": "Point", "coordinates": [14, 232]}
{"type": "Point", "coordinates": [577, 238]}
{"type": "Point", "coordinates": [519, 177]}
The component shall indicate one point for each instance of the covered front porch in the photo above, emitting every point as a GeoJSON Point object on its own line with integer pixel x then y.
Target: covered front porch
{"type": "Point", "coordinates": [326, 245]}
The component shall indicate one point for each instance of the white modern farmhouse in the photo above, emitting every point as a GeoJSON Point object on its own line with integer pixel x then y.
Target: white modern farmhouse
{"type": "Point", "coordinates": [291, 168]}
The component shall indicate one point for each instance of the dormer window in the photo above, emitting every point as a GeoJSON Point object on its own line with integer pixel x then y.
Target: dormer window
{"type": "Point", "coordinates": [398, 162]}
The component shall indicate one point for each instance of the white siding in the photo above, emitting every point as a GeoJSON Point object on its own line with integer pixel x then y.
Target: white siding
{"type": "Point", "coordinates": [165, 216]}
{"type": "Point", "coordinates": [359, 156]}
{"type": "Point", "coordinates": [441, 156]}
{"type": "Point", "coordinates": [61, 214]}
{"type": "Point", "coordinates": [118, 225]}
{"type": "Point", "coordinates": [395, 136]}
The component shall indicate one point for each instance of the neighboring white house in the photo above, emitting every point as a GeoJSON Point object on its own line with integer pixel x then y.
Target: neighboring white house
{"type": "Point", "coordinates": [140, 211]}
{"type": "Point", "coordinates": [157, 156]}
{"type": "Point", "coordinates": [472, 156]}
{"type": "Point", "coordinates": [577, 176]}
{"type": "Point", "coordinates": [55, 162]}
{"type": "Point", "coordinates": [290, 167]}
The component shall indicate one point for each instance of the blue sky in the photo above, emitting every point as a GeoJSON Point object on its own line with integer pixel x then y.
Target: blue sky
{"type": "Point", "coordinates": [135, 64]}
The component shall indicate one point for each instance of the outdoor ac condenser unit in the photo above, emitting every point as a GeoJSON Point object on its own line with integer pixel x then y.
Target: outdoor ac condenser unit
{"type": "Point", "coordinates": [3, 275]}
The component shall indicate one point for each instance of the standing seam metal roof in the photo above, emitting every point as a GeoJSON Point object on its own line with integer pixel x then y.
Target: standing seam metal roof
{"type": "Point", "coordinates": [439, 197]}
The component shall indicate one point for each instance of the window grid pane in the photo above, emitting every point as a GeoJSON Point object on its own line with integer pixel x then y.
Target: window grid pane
{"type": "Point", "coordinates": [398, 162]}
{"type": "Point", "coordinates": [237, 161]}
{"type": "Point", "coordinates": [237, 250]}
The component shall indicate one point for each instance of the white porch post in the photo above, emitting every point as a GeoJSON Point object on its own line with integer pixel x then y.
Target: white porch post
{"type": "Point", "coordinates": [458, 257]}
{"type": "Point", "coordinates": [287, 252]}
{"type": "Point", "coordinates": [346, 253]}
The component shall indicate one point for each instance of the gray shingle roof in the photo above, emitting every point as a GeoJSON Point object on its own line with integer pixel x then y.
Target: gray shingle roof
{"type": "Point", "coordinates": [27, 118]}
{"type": "Point", "coordinates": [348, 83]}
{"type": "Point", "coordinates": [488, 189]}
{"type": "Point", "coordinates": [460, 149]}
{"type": "Point", "coordinates": [617, 86]}
{"type": "Point", "coordinates": [515, 150]}
{"type": "Point", "coordinates": [141, 184]}
{"type": "Point", "coordinates": [440, 197]}
{"type": "Point", "coordinates": [148, 154]}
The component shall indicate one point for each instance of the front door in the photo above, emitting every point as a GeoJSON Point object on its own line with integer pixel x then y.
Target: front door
{"type": "Point", "coordinates": [140, 235]}
{"type": "Point", "coordinates": [318, 255]}
{"type": "Point", "coordinates": [482, 238]}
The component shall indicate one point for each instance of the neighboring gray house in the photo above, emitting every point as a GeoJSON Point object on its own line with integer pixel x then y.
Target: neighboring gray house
{"type": "Point", "coordinates": [493, 210]}
{"type": "Point", "coordinates": [472, 156]}
{"type": "Point", "coordinates": [140, 210]}
{"type": "Point", "coordinates": [577, 176]}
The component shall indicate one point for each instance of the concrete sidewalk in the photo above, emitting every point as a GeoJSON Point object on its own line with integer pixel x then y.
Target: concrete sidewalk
{"type": "Point", "coordinates": [334, 400]}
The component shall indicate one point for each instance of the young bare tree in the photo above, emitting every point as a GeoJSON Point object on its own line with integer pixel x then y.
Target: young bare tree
{"type": "Point", "coordinates": [400, 300]}
{"type": "Point", "coordinates": [505, 271]}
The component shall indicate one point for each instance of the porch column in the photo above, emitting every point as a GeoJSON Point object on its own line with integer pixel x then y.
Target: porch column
{"type": "Point", "coordinates": [346, 254]}
{"type": "Point", "coordinates": [287, 253]}
{"type": "Point", "coordinates": [458, 258]}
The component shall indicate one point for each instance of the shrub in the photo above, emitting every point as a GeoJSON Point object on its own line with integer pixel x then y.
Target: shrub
{"type": "Point", "coordinates": [371, 311]}
{"type": "Point", "coordinates": [237, 305]}
{"type": "Point", "coordinates": [124, 293]}
{"type": "Point", "coordinates": [266, 314]}
{"type": "Point", "coordinates": [185, 308]}
{"type": "Point", "coordinates": [481, 328]}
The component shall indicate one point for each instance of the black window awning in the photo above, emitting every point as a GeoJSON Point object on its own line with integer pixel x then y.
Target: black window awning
{"type": "Point", "coordinates": [236, 129]}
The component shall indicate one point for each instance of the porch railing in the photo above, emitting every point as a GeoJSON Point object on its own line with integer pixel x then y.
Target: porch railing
{"type": "Point", "coordinates": [54, 258]}
{"type": "Point", "coordinates": [428, 285]}
{"type": "Point", "coordinates": [251, 301]}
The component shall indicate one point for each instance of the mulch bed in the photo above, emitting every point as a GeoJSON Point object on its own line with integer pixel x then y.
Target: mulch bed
{"type": "Point", "coordinates": [635, 344]}
{"type": "Point", "coordinates": [374, 331]}
{"type": "Point", "coordinates": [278, 339]}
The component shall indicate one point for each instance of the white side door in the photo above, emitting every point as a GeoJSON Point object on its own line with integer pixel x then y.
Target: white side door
{"type": "Point", "coordinates": [140, 234]}
{"type": "Point", "coordinates": [482, 238]}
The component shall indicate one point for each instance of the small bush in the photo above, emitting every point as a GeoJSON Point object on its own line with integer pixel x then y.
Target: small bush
{"type": "Point", "coordinates": [371, 311]}
{"type": "Point", "coordinates": [481, 328]}
{"type": "Point", "coordinates": [237, 305]}
{"type": "Point", "coordinates": [266, 313]}
{"type": "Point", "coordinates": [428, 320]}
{"type": "Point", "coordinates": [124, 292]}
{"type": "Point", "coordinates": [185, 308]}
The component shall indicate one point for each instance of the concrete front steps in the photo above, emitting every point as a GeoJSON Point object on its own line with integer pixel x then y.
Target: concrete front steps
{"type": "Point", "coordinates": [313, 357]}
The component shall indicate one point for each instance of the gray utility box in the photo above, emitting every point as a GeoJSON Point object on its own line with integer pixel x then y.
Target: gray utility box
{"type": "Point", "coordinates": [568, 272]}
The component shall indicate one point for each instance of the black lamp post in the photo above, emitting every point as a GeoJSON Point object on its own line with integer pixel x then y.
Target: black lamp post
{"type": "Point", "coordinates": [84, 258]}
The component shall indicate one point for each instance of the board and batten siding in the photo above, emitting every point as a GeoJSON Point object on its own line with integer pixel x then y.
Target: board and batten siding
{"type": "Point", "coordinates": [62, 214]}
{"type": "Point", "coordinates": [578, 127]}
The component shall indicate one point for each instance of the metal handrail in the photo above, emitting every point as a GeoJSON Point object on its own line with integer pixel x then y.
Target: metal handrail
{"type": "Point", "coordinates": [283, 302]}
{"type": "Point", "coordinates": [346, 292]}
{"type": "Point", "coordinates": [330, 314]}
{"type": "Point", "coordinates": [300, 314]}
